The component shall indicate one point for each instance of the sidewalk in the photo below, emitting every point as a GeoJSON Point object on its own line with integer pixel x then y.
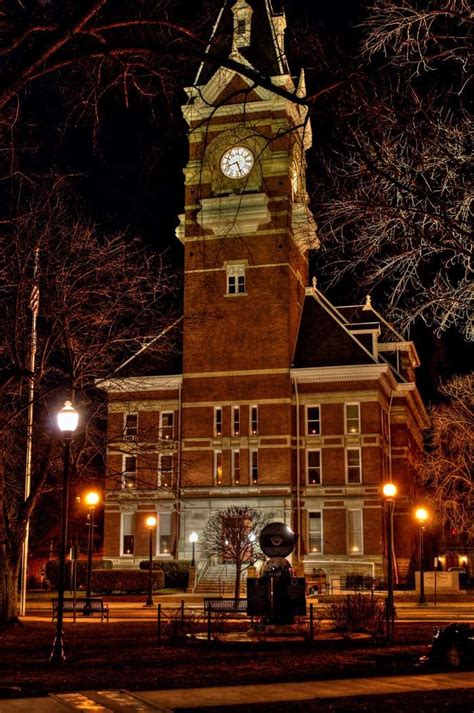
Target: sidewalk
{"type": "Point", "coordinates": [119, 701]}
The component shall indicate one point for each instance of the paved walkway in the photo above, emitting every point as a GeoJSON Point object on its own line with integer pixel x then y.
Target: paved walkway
{"type": "Point", "coordinates": [121, 701]}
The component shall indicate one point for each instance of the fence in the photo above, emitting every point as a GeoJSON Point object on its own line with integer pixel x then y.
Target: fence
{"type": "Point", "coordinates": [178, 624]}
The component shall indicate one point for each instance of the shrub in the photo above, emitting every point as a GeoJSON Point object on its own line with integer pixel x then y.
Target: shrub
{"type": "Point", "coordinates": [129, 581]}
{"type": "Point", "coordinates": [52, 571]}
{"type": "Point", "coordinates": [357, 612]}
{"type": "Point", "coordinates": [176, 571]}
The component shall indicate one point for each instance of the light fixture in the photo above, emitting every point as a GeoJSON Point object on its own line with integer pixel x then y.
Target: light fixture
{"type": "Point", "coordinates": [193, 537]}
{"type": "Point", "coordinates": [92, 498]}
{"type": "Point", "coordinates": [150, 521]}
{"type": "Point", "coordinates": [68, 418]}
{"type": "Point", "coordinates": [421, 515]}
{"type": "Point", "coordinates": [389, 490]}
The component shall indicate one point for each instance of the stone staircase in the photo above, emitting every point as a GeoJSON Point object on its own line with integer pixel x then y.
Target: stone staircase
{"type": "Point", "coordinates": [219, 581]}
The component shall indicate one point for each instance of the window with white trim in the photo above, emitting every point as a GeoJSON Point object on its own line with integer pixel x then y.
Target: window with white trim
{"type": "Point", "coordinates": [313, 420]}
{"type": "Point", "coordinates": [167, 425]}
{"type": "Point", "coordinates": [235, 279]}
{"type": "Point", "coordinates": [354, 532]}
{"type": "Point", "coordinates": [352, 418]}
{"type": "Point", "coordinates": [218, 421]}
{"type": "Point", "coordinates": [236, 467]}
{"type": "Point", "coordinates": [236, 420]}
{"type": "Point", "coordinates": [129, 472]}
{"type": "Point", "coordinates": [217, 467]}
{"type": "Point", "coordinates": [316, 531]}
{"type": "Point", "coordinates": [253, 420]}
{"type": "Point", "coordinates": [254, 467]}
{"type": "Point", "coordinates": [353, 466]}
{"type": "Point", "coordinates": [130, 426]}
{"type": "Point", "coordinates": [128, 533]}
{"type": "Point", "coordinates": [164, 529]}
{"type": "Point", "coordinates": [165, 470]}
{"type": "Point", "coordinates": [313, 467]}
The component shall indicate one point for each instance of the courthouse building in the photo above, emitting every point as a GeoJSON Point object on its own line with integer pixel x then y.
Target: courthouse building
{"type": "Point", "coordinates": [281, 401]}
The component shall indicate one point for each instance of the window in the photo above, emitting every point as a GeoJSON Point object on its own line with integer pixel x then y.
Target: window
{"type": "Point", "coordinates": [353, 467]}
{"type": "Point", "coordinates": [236, 420]}
{"type": "Point", "coordinates": [164, 540]}
{"type": "Point", "coordinates": [352, 418]}
{"type": "Point", "coordinates": [218, 421]}
{"type": "Point", "coordinates": [241, 27]}
{"type": "Point", "coordinates": [130, 426]}
{"type": "Point", "coordinates": [167, 425]}
{"type": "Point", "coordinates": [129, 472]}
{"type": "Point", "coordinates": [354, 532]}
{"type": "Point", "coordinates": [315, 532]}
{"type": "Point", "coordinates": [218, 467]}
{"type": "Point", "coordinates": [235, 279]}
{"type": "Point", "coordinates": [313, 420]}
{"type": "Point", "coordinates": [128, 533]}
{"type": "Point", "coordinates": [253, 420]}
{"type": "Point", "coordinates": [165, 471]}
{"type": "Point", "coordinates": [254, 467]}
{"type": "Point", "coordinates": [313, 467]}
{"type": "Point", "coordinates": [236, 467]}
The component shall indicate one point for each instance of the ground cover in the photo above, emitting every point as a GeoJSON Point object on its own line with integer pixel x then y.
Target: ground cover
{"type": "Point", "coordinates": [128, 655]}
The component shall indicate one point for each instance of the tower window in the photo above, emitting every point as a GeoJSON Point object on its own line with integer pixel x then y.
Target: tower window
{"type": "Point", "coordinates": [313, 420]}
{"type": "Point", "coordinates": [217, 467]}
{"type": "Point", "coordinates": [353, 465]}
{"type": "Point", "coordinates": [129, 472]}
{"type": "Point", "coordinates": [236, 467]}
{"type": "Point", "coordinates": [314, 467]}
{"type": "Point", "coordinates": [354, 532]}
{"type": "Point", "coordinates": [236, 279]}
{"type": "Point", "coordinates": [165, 479]}
{"type": "Point", "coordinates": [352, 418]}
{"type": "Point", "coordinates": [236, 420]}
{"type": "Point", "coordinates": [218, 421]}
{"type": "Point", "coordinates": [130, 426]}
{"type": "Point", "coordinates": [254, 467]}
{"type": "Point", "coordinates": [167, 425]}
{"type": "Point", "coordinates": [253, 420]}
{"type": "Point", "coordinates": [241, 24]}
{"type": "Point", "coordinates": [315, 532]}
{"type": "Point", "coordinates": [128, 533]}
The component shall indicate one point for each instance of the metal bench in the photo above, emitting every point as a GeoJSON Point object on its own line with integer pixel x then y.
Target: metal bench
{"type": "Point", "coordinates": [220, 604]}
{"type": "Point", "coordinates": [86, 607]}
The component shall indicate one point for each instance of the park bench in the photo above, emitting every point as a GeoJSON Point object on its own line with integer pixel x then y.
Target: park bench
{"type": "Point", "coordinates": [86, 607]}
{"type": "Point", "coordinates": [220, 604]}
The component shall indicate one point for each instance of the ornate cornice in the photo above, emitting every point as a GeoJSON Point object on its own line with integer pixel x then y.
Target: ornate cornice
{"type": "Point", "coordinates": [363, 372]}
{"type": "Point", "coordinates": [141, 383]}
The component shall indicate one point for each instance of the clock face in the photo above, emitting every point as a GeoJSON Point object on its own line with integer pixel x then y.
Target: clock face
{"type": "Point", "coordinates": [237, 162]}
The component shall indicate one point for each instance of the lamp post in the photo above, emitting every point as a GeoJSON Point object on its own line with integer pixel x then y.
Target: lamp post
{"type": "Point", "coordinates": [422, 515]}
{"type": "Point", "coordinates": [68, 418]}
{"type": "Point", "coordinates": [91, 500]}
{"type": "Point", "coordinates": [151, 524]}
{"type": "Point", "coordinates": [193, 538]}
{"type": "Point", "coordinates": [252, 538]}
{"type": "Point", "coordinates": [389, 492]}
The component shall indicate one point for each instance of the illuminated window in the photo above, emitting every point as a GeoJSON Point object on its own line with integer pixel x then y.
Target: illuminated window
{"type": "Point", "coordinates": [236, 420]}
{"type": "Point", "coordinates": [313, 467]}
{"type": "Point", "coordinates": [253, 420]}
{"type": "Point", "coordinates": [218, 467]}
{"type": "Point", "coordinates": [235, 279]}
{"type": "Point", "coordinates": [313, 420]}
{"type": "Point", "coordinates": [218, 421]}
{"type": "Point", "coordinates": [253, 467]}
{"type": "Point", "coordinates": [236, 467]}
{"type": "Point", "coordinates": [128, 533]}
{"type": "Point", "coordinates": [353, 465]}
{"type": "Point", "coordinates": [354, 532]}
{"type": "Point", "coordinates": [352, 418]}
{"type": "Point", "coordinates": [129, 472]}
{"type": "Point", "coordinates": [130, 426]}
{"type": "Point", "coordinates": [315, 532]}
{"type": "Point", "coordinates": [164, 538]}
{"type": "Point", "coordinates": [167, 425]}
{"type": "Point", "coordinates": [165, 471]}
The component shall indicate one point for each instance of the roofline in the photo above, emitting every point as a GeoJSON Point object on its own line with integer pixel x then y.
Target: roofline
{"type": "Point", "coordinates": [140, 383]}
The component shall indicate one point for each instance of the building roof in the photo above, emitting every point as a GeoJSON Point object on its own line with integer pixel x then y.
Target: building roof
{"type": "Point", "coordinates": [263, 53]}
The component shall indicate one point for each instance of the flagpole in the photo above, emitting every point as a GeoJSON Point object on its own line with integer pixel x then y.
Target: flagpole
{"type": "Point", "coordinates": [34, 307]}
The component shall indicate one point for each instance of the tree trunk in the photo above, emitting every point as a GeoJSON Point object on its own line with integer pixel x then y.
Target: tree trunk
{"type": "Point", "coordinates": [9, 574]}
{"type": "Point", "coordinates": [238, 569]}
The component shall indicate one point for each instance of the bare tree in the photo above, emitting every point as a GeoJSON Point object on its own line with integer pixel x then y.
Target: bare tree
{"type": "Point", "coordinates": [394, 204]}
{"type": "Point", "coordinates": [99, 297]}
{"type": "Point", "coordinates": [446, 471]}
{"type": "Point", "coordinates": [228, 536]}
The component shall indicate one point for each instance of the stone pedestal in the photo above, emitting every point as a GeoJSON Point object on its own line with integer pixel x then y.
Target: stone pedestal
{"type": "Point", "coordinates": [192, 580]}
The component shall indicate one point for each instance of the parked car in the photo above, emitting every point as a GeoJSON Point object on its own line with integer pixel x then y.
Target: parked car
{"type": "Point", "coordinates": [453, 646]}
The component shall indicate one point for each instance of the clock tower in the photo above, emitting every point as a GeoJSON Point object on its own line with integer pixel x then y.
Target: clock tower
{"type": "Point", "coordinates": [246, 231]}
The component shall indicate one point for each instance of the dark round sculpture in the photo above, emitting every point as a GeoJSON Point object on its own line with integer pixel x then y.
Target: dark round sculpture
{"type": "Point", "coordinates": [277, 540]}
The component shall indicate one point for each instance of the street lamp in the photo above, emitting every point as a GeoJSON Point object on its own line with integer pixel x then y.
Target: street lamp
{"type": "Point", "coordinates": [151, 524]}
{"type": "Point", "coordinates": [390, 491]}
{"type": "Point", "coordinates": [68, 418]}
{"type": "Point", "coordinates": [252, 538]}
{"type": "Point", "coordinates": [92, 498]}
{"type": "Point", "coordinates": [193, 538]}
{"type": "Point", "coordinates": [422, 516]}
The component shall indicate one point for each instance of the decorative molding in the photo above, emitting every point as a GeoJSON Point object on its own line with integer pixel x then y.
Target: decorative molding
{"type": "Point", "coordinates": [364, 372]}
{"type": "Point", "coordinates": [228, 216]}
{"type": "Point", "coordinates": [141, 383]}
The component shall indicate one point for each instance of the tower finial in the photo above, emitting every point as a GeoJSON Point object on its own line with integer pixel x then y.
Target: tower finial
{"type": "Point", "coordinates": [314, 282]}
{"type": "Point", "coordinates": [368, 303]}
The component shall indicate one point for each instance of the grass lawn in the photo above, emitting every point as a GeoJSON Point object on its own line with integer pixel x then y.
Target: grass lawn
{"type": "Point", "coordinates": [127, 655]}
